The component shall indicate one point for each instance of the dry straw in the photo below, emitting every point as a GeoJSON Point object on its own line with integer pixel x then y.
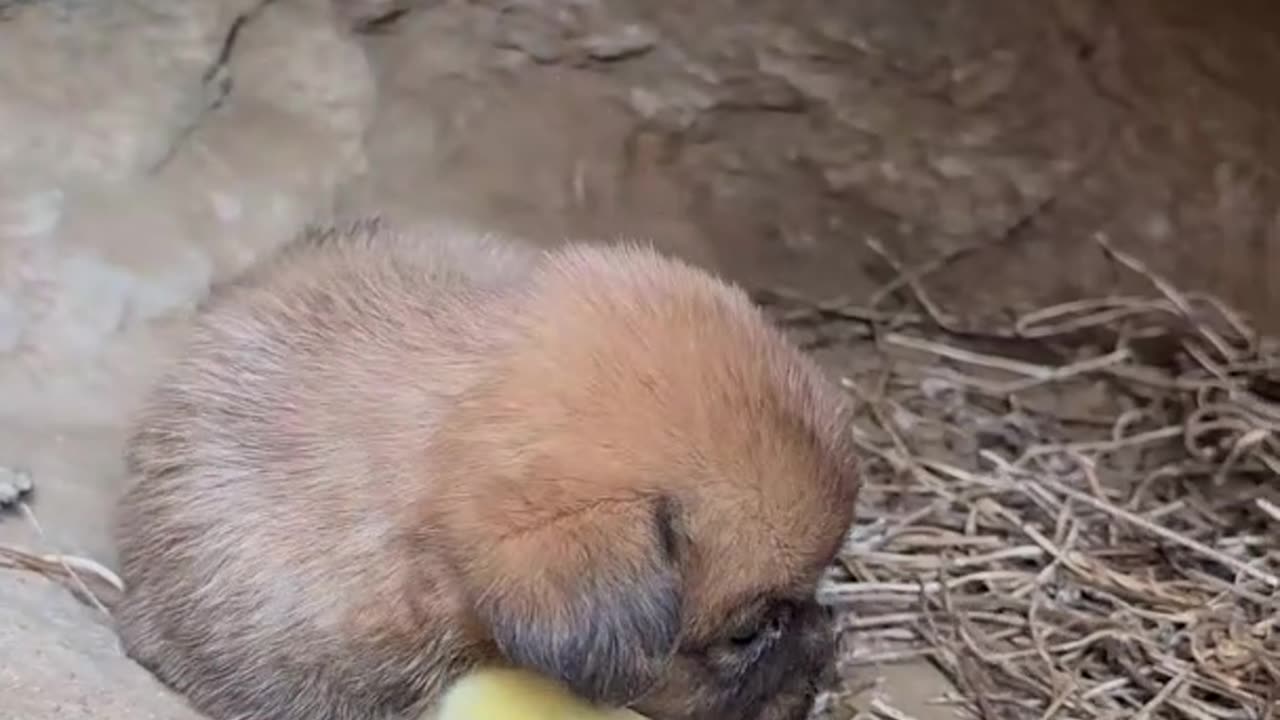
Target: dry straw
{"type": "Point", "coordinates": [1073, 515]}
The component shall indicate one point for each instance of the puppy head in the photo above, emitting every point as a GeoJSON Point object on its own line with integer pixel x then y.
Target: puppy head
{"type": "Point", "coordinates": [641, 496]}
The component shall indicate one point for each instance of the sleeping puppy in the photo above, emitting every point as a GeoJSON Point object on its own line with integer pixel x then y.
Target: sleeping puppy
{"type": "Point", "coordinates": [385, 460]}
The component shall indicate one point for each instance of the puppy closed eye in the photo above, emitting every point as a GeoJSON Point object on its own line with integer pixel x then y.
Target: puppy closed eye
{"type": "Point", "coordinates": [745, 636]}
{"type": "Point", "coordinates": [765, 630]}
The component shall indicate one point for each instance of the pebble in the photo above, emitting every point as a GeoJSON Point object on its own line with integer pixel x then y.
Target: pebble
{"type": "Point", "coordinates": [14, 484]}
{"type": "Point", "coordinates": [628, 41]}
{"type": "Point", "coordinates": [533, 37]}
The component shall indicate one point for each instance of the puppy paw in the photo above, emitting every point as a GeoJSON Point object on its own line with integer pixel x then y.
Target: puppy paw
{"type": "Point", "coordinates": [15, 484]}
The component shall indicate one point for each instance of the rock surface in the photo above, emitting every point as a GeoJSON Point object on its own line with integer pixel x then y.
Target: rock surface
{"type": "Point", "coordinates": [148, 147]}
{"type": "Point", "coordinates": [59, 659]}
{"type": "Point", "coordinates": [151, 147]}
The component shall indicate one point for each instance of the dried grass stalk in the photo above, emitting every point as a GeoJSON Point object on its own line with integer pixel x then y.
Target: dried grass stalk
{"type": "Point", "coordinates": [1093, 537]}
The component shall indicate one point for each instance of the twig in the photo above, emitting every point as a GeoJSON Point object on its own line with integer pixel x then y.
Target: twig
{"type": "Point", "coordinates": [1119, 568]}
{"type": "Point", "coordinates": [66, 565]}
{"type": "Point", "coordinates": [1163, 532]}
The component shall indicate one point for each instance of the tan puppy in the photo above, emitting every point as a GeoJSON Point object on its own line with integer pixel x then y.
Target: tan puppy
{"type": "Point", "coordinates": [384, 460]}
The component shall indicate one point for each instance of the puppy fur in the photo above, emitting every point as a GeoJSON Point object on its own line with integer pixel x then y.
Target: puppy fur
{"type": "Point", "coordinates": [385, 459]}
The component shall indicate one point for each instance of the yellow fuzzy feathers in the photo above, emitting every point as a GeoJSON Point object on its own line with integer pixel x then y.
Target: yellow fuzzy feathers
{"type": "Point", "coordinates": [507, 694]}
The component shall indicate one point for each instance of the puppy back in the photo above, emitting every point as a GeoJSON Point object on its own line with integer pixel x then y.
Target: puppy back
{"type": "Point", "coordinates": [260, 541]}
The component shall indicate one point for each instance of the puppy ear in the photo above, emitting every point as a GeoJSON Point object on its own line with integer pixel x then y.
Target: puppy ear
{"type": "Point", "coordinates": [591, 597]}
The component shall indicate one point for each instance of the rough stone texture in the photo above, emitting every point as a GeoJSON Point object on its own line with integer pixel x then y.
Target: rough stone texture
{"type": "Point", "coordinates": [132, 99]}
{"type": "Point", "coordinates": [150, 147]}
{"type": "Point", "coordinates": [59, 659]}
{"type": "Point", "coordinates": [96, 261]}
{"type": "Point", "coordinates": [775, 145]}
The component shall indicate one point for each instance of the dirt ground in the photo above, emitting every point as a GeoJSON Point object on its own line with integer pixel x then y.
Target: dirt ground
{"type": "Point", "coordinates": [150, 147]}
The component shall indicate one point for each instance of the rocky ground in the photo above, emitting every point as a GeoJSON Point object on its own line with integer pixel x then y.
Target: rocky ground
{"type": "Point", "coordinates": [151, 147]}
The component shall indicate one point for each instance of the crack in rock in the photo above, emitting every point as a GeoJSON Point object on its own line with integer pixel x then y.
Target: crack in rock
{"type": "Point", "coordinates": [217, 81]}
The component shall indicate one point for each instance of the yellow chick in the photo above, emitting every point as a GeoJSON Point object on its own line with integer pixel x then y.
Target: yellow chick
{"type": "Point", "coordinates": [508, 694]}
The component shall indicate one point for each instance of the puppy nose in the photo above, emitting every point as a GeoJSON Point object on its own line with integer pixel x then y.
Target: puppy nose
{"type": "Point", "coordinates": [823, 661]}
{"type": "Point", "coordinates": [814, 613]}
{"type": "Point", "coordinates": [828, 676]}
